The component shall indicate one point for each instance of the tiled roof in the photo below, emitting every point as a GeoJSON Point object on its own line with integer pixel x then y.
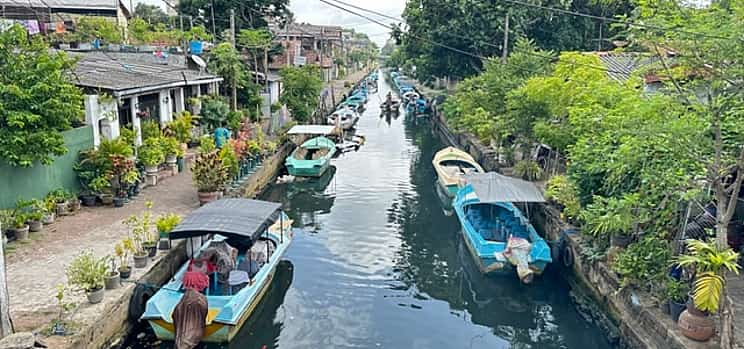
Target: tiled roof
{"type": "Point", "coordinates": [329, 32]}
{"type": "Point", "coordinates": [621, 65]}
{"type": "Point", "coordinates": [121, 72]}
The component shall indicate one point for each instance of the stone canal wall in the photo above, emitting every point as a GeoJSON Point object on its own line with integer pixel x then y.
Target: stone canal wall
{"type": "Point", "coordinates": [628, 317]}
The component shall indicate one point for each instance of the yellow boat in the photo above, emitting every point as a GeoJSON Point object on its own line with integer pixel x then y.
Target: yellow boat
{"type": "Point", "coordinates": [451, 164]}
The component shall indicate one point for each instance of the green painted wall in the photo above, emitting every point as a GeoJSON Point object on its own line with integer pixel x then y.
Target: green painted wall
{"type": "Point", "coordinates": [37, 181]}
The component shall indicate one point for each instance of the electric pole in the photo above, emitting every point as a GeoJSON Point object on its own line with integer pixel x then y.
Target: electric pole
{"type": "Point", "coordinates": [505, 49]}
{"type": "Point", "coordinates": [234, 81]}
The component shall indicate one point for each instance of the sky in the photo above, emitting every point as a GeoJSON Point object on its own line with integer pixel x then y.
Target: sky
{"type": "Point", "coordinates": [316, 12]}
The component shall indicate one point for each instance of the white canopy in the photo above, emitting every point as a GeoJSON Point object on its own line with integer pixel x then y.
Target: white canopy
{"type": "Point", "coordinates": [311, 130]}
{"type": "Point", "coordinates": [494, 187]}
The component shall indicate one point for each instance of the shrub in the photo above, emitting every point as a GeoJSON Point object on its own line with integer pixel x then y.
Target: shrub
{"type": "Point", "coordinates": [150, 129]}
{"type": "Point", "coordinates": [563, 191]}
{"type": "Point", "coordinates": [167, 222]}
{"type": "Point", "coordinates": [87, 272]}
{"type": "Point", "coordinates": [151, 152]}
{"type": "Point", "coordinates": [528, 170]}
{"type": "Point", "coordinates": [209, 173]}
{"type": "Point", "coordinates": [229, 160]}
{"type": "Point", "coordinates": [644, 263]}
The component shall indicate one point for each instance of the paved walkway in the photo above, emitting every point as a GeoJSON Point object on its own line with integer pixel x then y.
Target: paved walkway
{"type": "Point", "coordinates": [735, 291]}
{"type": "Point", "coordinates": [35, 268]}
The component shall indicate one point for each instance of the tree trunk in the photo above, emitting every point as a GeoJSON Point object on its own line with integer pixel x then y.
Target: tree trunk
{"type": "Point", "coordinates": [6, 325]}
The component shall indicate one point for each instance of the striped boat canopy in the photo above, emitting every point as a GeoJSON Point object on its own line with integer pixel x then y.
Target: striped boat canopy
{"type": "Point", "coordinates": [495, 187]}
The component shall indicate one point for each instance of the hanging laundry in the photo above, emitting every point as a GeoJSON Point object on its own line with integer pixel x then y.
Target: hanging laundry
{"type": "Point", "coordinates": [32, 26]}
{"type": "Point", "coordinates": [5, 24]}
{"type": "Point", "coordinates": [59, 27]}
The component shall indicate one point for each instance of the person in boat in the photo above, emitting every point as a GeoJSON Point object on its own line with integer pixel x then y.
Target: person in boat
{"type": "Point", "coordinates": [221, 135]}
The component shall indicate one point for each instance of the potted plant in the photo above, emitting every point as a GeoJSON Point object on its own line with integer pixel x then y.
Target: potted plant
{"type": "Point", "coordinates": [49, 206]}
{"type": "Point", "coordinates": [88, 272]}
{"type": "Point", "coordinates": [676, 294]}
{"type": "Point", "coordinates": [141, 235]}
{"type": "Point", "coordinates": [709, 263]}
{"type": "Point", "coordinates": [194, 105]}
{"type": "Point", "coordinates": [18, 225]}
{"type": "Point", "coordinates": [122, 250]}
{"type": "Point", "coordinates": [165, 224]}
{"type": "Point", "coordinates": [60, 197]}
{"type": "Point", "coordinates": [151, 155]}
{"type": "Point", "coordinates": [59, 327]}
{"type": "Point", "coordinates": [172, 149]}
{"type": "Point", "coordinates": [73, 203]}
{"type": "Point", "coordinates": [210, 176]}
{"type": "Point", "coordinates": [37, 211]}
{"type": "Point", "coordinates": [102, 186]}
{"type": "Point", "coordinates": [112, 280]}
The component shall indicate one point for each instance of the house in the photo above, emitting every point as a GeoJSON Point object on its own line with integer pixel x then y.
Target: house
{"type": "Point", "coordinates": [124, 89]}
{"type": "Point", "coordinates": [622, 65]}
{"type": "Point", "coordinates": [308, 44]}
{"type": "Point", "coordinates": [271, 89]}
{"type": "Point", "coordinates": [49, 12]}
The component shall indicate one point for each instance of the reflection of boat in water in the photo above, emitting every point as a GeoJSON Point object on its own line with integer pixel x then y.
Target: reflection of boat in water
{"type": "Point", "coordinates": [496, 232]}
{"type": "Point", "coordinates": [250, 234]}
{"type": "Point", "coordinates": [444, 199]}
{"type": "Point", "coordinates": [264, 328]}
{"type": "Point", "coordinates": [451, 164]}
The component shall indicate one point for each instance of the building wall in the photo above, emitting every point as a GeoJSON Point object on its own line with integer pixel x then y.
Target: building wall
{"type": "Point", "coordinates": [37, 181]}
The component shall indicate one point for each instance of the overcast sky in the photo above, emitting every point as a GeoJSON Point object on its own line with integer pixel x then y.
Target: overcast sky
{"type": "Point", "coordinates": [316, 12]}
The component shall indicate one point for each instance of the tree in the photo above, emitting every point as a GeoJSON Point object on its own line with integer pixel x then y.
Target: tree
{"type": "Point", "coordinates": [225, 62]}
{"type": "Point", "coordinates": [255, 41]}
{"type": "Point", "coordinates": [37, 99]}
{"type": "Point", "coordinates": [248, 14]}
{"type": "Point", "coordinates": [301, 91]}
{"type": "Point", "coordinates": [150, 13]}
{"type": "Point", "coordinates": [99, 28]}
{"type": "Point", "coordinates": [707, 75]}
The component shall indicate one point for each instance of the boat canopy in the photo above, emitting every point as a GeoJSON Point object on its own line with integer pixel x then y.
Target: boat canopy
{"type": "Point", "coordinates": [494, 187]}
{"type": "Point", "coordinates": [311, 130]}
{"type": "Point", "coordinates": [242, 218]}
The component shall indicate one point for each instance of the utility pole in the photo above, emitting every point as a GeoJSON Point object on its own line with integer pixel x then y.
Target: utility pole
{"type": "Point", "coordinates": [505, 49]}
{"type": "Point", "coordinates": [234, 81]}
{"type": "Point", "coordinates": [286, 39]}
{"type": "Point", "coordinates": [214, 30]}
{"type": "Point", "coordinates": [184, 42]}
{"type": "Point", "coordinates": [232, 27]}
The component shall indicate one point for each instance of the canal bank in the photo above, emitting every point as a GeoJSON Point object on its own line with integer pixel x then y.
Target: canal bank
{"type": "Point", "coordinates": [627, 316]}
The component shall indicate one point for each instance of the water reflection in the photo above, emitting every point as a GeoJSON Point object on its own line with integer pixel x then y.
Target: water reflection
{"type": "Point", "coordinates": [305, 199]}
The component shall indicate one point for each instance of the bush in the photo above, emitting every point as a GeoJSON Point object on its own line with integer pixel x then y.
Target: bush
{"type": "Point", "coordinates": [214, 112]}
{"type": "Point", "coordinates": [166, 223]}
{"type": "Point", "coordinates": [151, 153]}
{"type": "Point", "coordinates": [150, 129]}
{"type": "Point", "coordinates": [229, 160]}
{"type": "Point", "coordinates": [180, 128]}
{"type": "Point", "coordinates": [528, 170]}
{"type": "Point", "coordinates": [563, 191]}
{"type": "Point", "coordinates": [644, 263]}
{"type": "Point", "coordinates": [209, 173]}
{"type": "Point", "coordinates": [87, 272]}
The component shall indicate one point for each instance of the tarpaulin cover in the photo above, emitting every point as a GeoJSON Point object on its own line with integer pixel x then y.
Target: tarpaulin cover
{"type": "Point", "coordinates": [494, 187]}
{"type": "Point", "coordinates": [243, 218]}
{"type": "Point", "coordinates": [189, 318]}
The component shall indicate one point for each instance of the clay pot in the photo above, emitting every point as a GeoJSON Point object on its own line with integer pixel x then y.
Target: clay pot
{"type": "Point", "coordinates": [693, 326]}
{"type": "Point", "coordinates": [34, 226]}
{"type": "Point", "coordinates": [95, 296]}
{"type": "Point", "coordinates": [141, 261]}
{"type": "Point", "coordinates": [112, 281]}
{"type": "Point", "coordinates": [207, 197]}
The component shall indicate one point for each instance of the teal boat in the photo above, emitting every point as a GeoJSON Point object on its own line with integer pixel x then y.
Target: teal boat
{"type": "Point", "coordinates": [256, 234]}
{"type": "Point", "coordinates": [312, 158]}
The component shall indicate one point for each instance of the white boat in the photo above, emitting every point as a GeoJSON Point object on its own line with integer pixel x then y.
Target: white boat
{"type": "Point", "coordinates": [345, 118]}
{"type": "Point", "coordinates": [451, 164]}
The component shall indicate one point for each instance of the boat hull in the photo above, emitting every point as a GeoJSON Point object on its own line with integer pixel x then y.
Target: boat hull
{"type": "Point", "coordinates": [308, 171]}
{"type": "Point", "coordinates": [301, 167]}
{"type": "Point", "coordinates": [452, 182]}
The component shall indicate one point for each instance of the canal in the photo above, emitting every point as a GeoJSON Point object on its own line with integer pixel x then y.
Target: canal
{"type": "Point", "coordinates": [382, 265]}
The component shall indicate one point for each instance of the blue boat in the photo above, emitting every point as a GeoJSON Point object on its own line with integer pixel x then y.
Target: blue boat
{"type": "Point", "coordinates": [258, 232]}
{"type": "Point", "coordinates": [496, 232]}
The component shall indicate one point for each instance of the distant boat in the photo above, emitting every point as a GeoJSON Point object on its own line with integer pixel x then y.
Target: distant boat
{"type": "Point", "coordinates": [259, 232]}
{"type": "Point", "coordinates": [345, 118]}
{"type": "Point", "coordinates": [496, 232]}
{"type": "Point", "coordinates": [451, 164]}
{"type": "Point", "coordinates": [311, 158]}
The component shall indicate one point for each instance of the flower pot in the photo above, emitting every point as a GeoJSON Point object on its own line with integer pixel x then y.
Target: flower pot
{"type": "Point", "coordinates": [692, 308]}
{"type": "Point", "coordinates": [151, 169]}
{"type": "Point", "coordinates": [171, 159]}
{"type": "Point", "coordinates": [48, 219]}
{"type": "Point", "coordinates": [89, 200]}
{"type": "Point", "coordinates": [95, 296]}
{"type": "Point", "coordinates": [141, 261]}
{"type": "Point", "coordinates": [164, 244]}
{"type": "Point", "coordinates": [107, 199]}
{"type": "Point", "coordinates": [693, 326]}
{"type": "Point", "coordinates": [207, 197]}
{"type": "Point", "coordinates": [152, 249]}
{"type": "Point", "coordinates": [34, 226]}
{"type": "Point", "coordinates": [21, 234]}
{"type": "Point", "coordinates": [112, 281]}
{"type": "Point", "coordinates": [124, 273]}
{"type": "Point", "coordinates": [61, 208]}
{"type": "Point", "coordinates": [74, 205]}
{"type": "Point", "coordinates": [675, 309]}
{"type": "Point", "coordinates": [118, 201]}
{"type": "Point", "coordinates": [619, 240]}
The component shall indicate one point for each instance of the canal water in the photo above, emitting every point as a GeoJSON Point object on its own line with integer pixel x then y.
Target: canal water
{"type": "Point", "coordinates": [381, 264]}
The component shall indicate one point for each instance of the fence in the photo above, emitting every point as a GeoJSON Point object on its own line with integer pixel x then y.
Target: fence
{"type": "Point", "coordinates": [38, 180]}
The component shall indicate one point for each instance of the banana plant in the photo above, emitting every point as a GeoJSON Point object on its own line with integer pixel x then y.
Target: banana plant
{"type": "Point", "coordinates": [710, 262]}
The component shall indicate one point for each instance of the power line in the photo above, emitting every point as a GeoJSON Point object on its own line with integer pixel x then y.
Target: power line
{"type": "Point", "coordinates": [527, 52]}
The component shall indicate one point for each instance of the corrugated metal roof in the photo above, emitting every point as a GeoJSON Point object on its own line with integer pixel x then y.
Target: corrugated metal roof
{"type": "Point", "coordinates": [131, 71]}
{"type": "Point", "coordinates": [243, 218]}
{"type": "Point", "coordinates": [66, 4]}
{"type": "Point", "coordinates": [621, 65]}
{"type": "Point", "coordinates": [494, 187]}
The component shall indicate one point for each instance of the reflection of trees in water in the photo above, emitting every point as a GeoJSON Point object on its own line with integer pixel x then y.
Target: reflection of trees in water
{"type": "Point", "coordinates": [263, 327]}
{"type": "Point", "coordinates": [305, 200]}
{"type": "Point", "coordinates": [434, 261]}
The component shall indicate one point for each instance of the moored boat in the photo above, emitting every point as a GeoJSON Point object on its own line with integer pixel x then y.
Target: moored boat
{"type": "Point", "coordinates": [451, 164]}
{"type": "Point", "coordinates": [239, 263]}
{"type": "Point", "coordinates": [345, 118]}
{"type": "Point", "coordinates": [496, 232]}
{"type": "Point", "coordinates": [311, 158]}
